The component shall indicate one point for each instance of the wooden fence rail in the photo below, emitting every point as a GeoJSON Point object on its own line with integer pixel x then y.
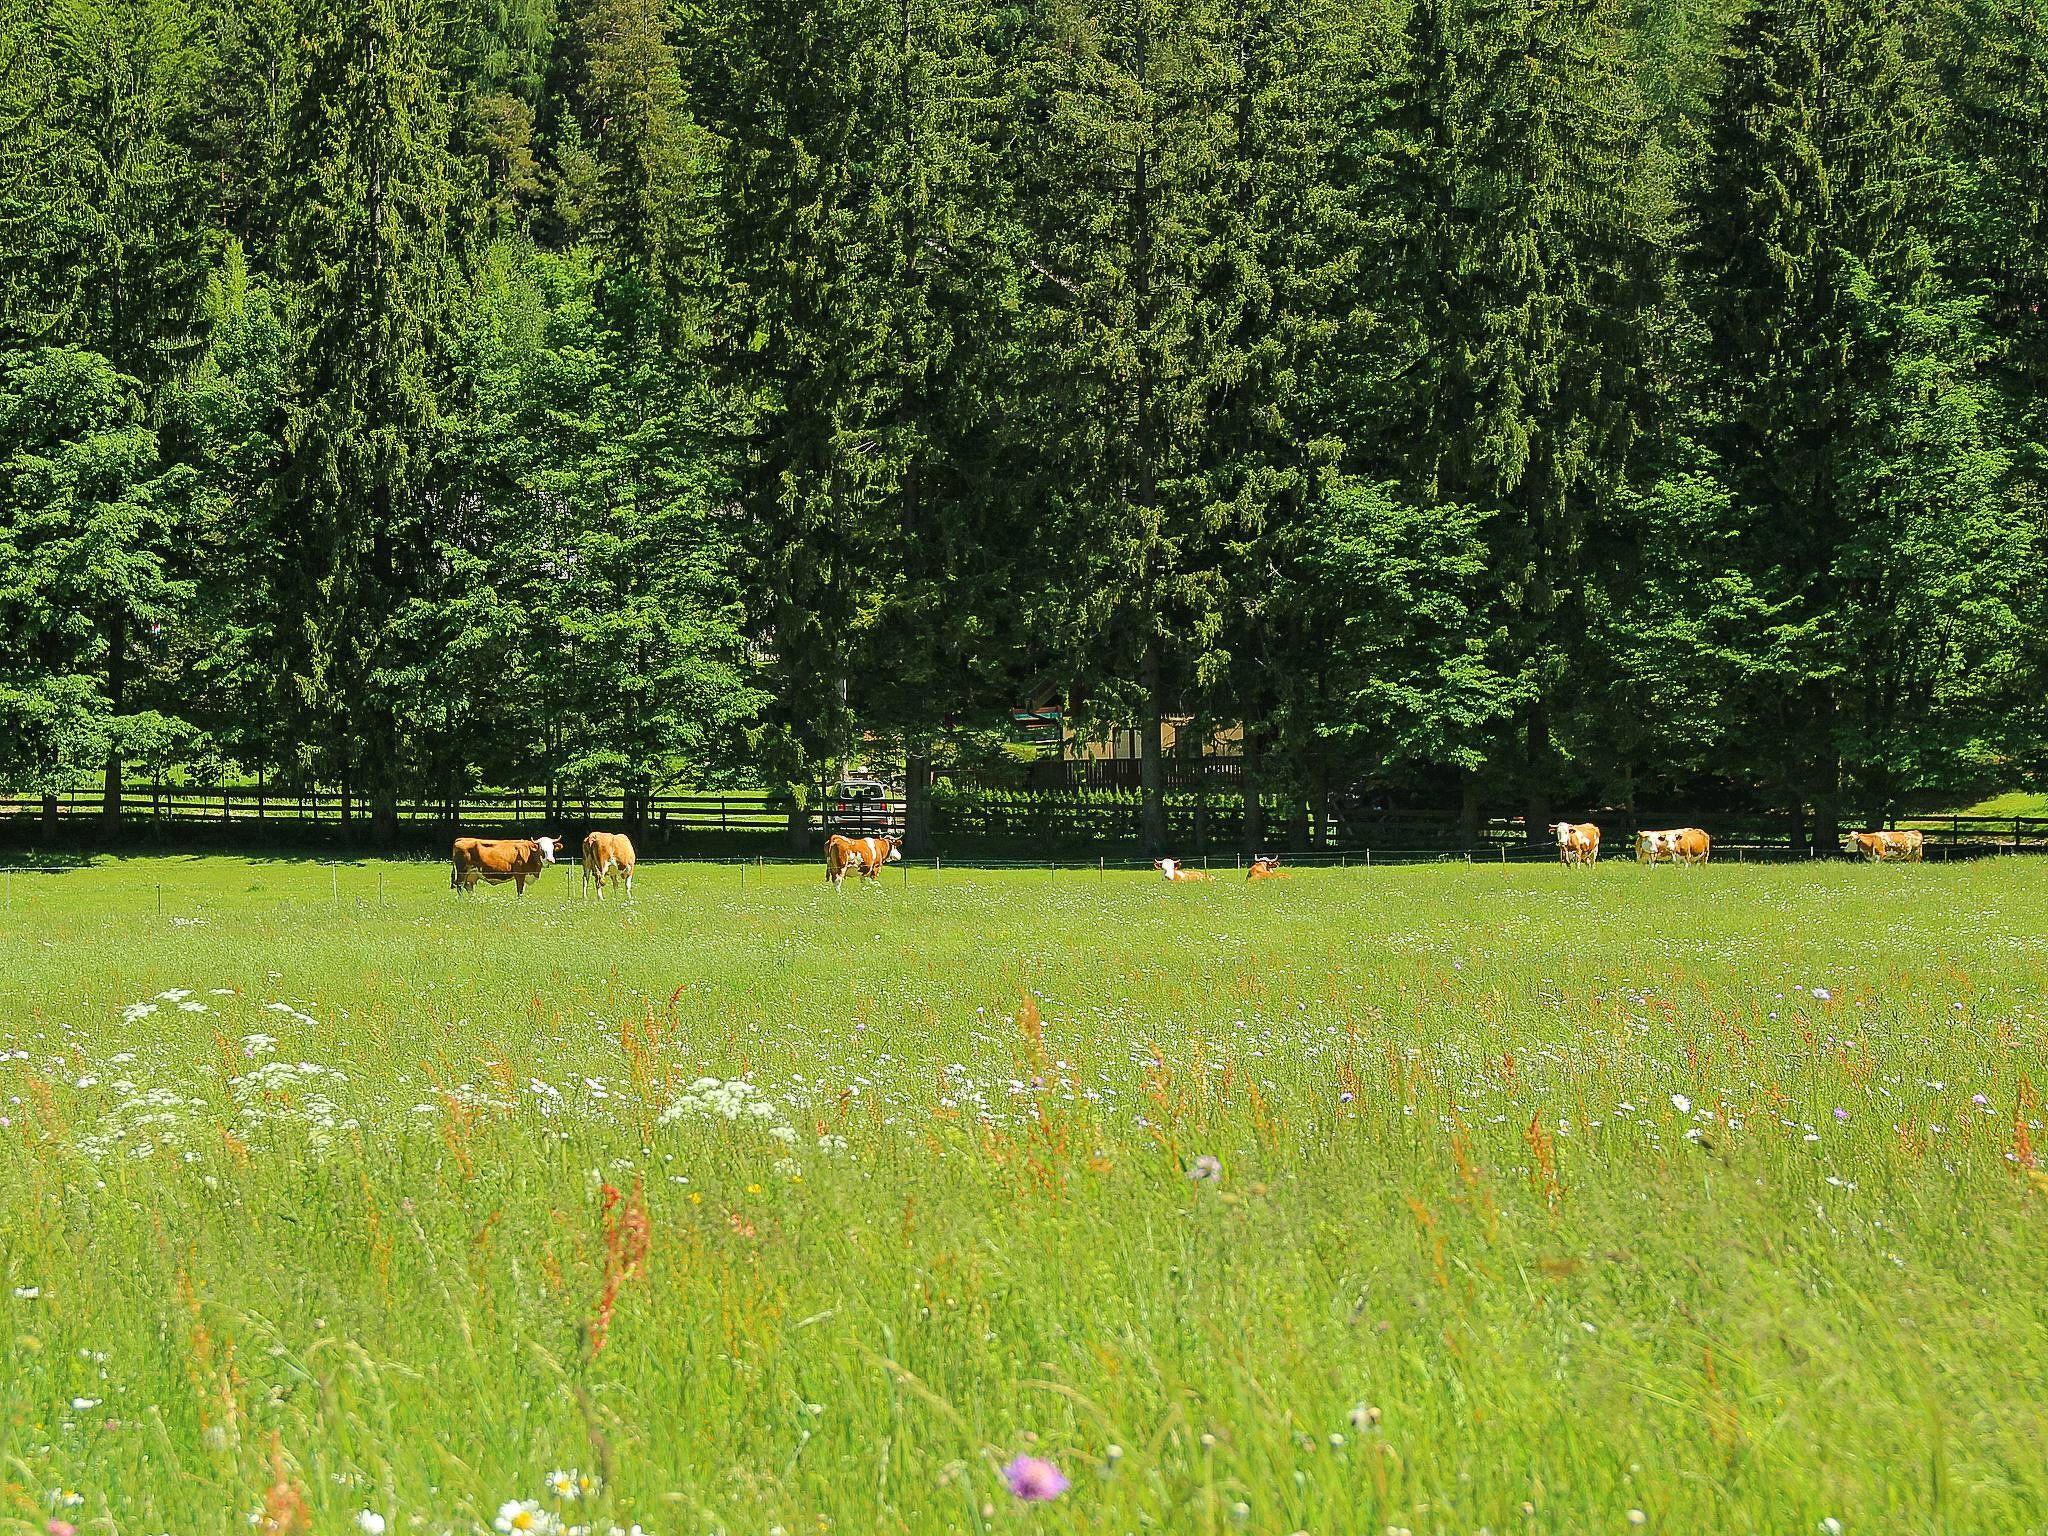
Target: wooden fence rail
{"type": "Point", "coordinates": [959, 816]}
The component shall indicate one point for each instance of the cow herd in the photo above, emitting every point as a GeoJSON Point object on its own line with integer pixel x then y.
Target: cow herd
{"type": "Point", "coordinates": [1579, 843]}
{"type": "Point", "coordinates": [608, 856]}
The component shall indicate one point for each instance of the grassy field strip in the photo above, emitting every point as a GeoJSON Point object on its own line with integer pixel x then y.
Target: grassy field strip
{"type": "Point", "coordinates": [1436, 1199]}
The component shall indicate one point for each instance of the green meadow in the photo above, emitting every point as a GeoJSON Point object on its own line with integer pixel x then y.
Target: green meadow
{"type": "Point", "coordinates": [1437, 1199]}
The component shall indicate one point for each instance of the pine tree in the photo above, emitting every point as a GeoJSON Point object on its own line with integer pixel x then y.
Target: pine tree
{"type": "Point", "coordinates": [1872, 547]}
{"type": "Point", "coordinates": [1523, 277]}
{"type": "Point", "coordinates": [368, 264]}
{"type": "Point", "coordinates": [1125, 186]}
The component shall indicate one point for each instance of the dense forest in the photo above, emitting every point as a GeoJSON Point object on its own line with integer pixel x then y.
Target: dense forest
{"type": "Point", "coordinates": [1529, 405]}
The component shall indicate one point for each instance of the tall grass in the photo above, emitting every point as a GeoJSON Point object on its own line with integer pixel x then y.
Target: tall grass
{"type": "Point", "coordinates": [1540, 1201]}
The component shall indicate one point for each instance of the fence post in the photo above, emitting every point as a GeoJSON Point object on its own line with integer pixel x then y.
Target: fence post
{"type": "Point", "coordinates": [1368, 858]}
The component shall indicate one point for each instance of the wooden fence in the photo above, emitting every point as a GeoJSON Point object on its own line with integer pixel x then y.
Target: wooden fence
{"type": "Point", "coordinates": [962, 818]}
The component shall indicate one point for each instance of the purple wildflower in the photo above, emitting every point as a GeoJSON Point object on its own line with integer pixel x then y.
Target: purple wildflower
{"type": "Point", "coordinates": [1035, 1480]}
{"type": "Point", "coordinates": [1207, 1169]}
{"type": "Point", "coordinates": [1840, 1113]}
{"type": "Point", "coordinates": [1979, 1100]}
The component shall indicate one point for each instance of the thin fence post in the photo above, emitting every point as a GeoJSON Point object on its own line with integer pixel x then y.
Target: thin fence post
{"type": "Point", "coordinates": [159, 898]}
{"type": "Point", "coordinates": [333, 883]}
{"type": "Point", "coordinates": [1368, 858]}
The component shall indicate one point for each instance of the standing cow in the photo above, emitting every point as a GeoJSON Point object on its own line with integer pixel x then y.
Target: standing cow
{"type": "Point", "coordinates": [1890, 847]}
{"type": "Point", "coordinates": [1684, 845]}
{"type": "Point", "coordinates": [1578, 842]}
{"type": "Point", "coordinates": [607, 853]}
{"type": "Point", "coordinates": [498, 859]}
{"type": "Point", "coordinates": [866, 855]}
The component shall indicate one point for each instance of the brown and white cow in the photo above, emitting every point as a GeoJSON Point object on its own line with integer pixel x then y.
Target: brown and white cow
{"type": "Point", "coordinates": [1578, 842]}
{"type": "Point", "coordinates": [498, 859]}
{"type": "Point", "coordinates": [1683, 845]}
{"type": "Point", "coordinates": [607, 853]}
{"type": "Point", "coordinates": [1890, 847]}
{"type": "Point", "coordinates": [1171, 868]}
{"type": "Point", "coordinates": [1266, 867]}
{"type": "Point", "coordinates": [864, 854]}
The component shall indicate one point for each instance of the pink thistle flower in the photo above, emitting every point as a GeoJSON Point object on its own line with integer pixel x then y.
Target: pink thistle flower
{"type": "Point", "coordinates": [61, 1528]}
{"type": "Point", "coordinates": [1035, 1480]}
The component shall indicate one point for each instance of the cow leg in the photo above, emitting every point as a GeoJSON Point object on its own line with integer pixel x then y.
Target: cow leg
{"type": "Point", "coordinates": [519, 884]}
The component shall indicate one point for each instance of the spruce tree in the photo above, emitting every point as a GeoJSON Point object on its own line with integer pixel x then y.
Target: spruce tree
{"type": "Point", "coordinates": [368, 265]}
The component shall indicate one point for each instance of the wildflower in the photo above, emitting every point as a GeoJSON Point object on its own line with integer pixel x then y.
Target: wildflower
{"type": "Point", "coordinates": [525, 1517]}
{"type": "Point", "coordinates": [1207, 1169]}
{"type": "Point", "coordinates": [571, 1484]}
{"type": "Point", "coordinates": [1977, 1099]}
{"type": "Point", "coordinates": [65, 1498]}
{"type": "Point", "coordinates": [1336, 1442]}
{"type": "Point", "coordinates": [1681, 1103]}
{"type": "Point", "coordinates": [1823, 994]}
{"type": "Point", "coordinates": [1831, 1526]}
{"type": "Point", "coordinates": [28, 1292]}
{"type": "Point", "coordinates": [1112, 1454]}
{"type": "Point", "coordinates": [1346, 1097]}
{"type": "Point", "coordinates": [1364, 1416]}
{"type": "Point", "coordinates": [371, 1522]}
{"type": "Point", "coordinates": [1035, 1480]}
{"type": "Point", "coordinates": [1636, 1517]}
{"type": "Point", "coordinates": [1841, 1113]}
{"type": "Point", "coordinates": [60, 1528]}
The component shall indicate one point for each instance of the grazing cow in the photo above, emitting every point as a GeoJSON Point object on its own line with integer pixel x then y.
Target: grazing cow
{"type": "Point", "coordinates": [1685, 845]}
{"type": "Point", "coordinates": [1577, 842]}
{"type": "Point", "coordinates": [864, 854]}
{"type": "Point", "coordinates": [1890, 847]}
{"type": "Point", "coordinates": [1266, 867]}
{"type": "Point", "coordinates": [498, 859]}
{"type": "Point", "coordinates": [1172, 870]}
{"type": "Point", "coordinates": [607, 853]}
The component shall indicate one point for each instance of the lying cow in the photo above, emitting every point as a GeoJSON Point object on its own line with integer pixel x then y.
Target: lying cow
{"type": "Point", "coordinates": [1685, 845]}
{"type": "Point", "coordinates": [1578, 842]}
{"type": "Point", "coordinates": [607, 853]}
{"type": "Point", "coordinates": [498, 859]}
{"type": "Point", "coordinates": [1890, 847]}
{"type": "Point", "coordinates": [1172, 870]}
{"type": "Point", "coordinates": [866, 855]}
{"type": "Point", "coordinates": [1266, 867]}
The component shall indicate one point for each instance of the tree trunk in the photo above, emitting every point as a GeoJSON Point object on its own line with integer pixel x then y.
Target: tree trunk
{"type": "Point", "coordinates": [1536, 817]}
{"type": "Point", "coordinates": [917, 803]}
{"type": "Point", "coordinates": [1151, 765]}
{"type": "Point", "coordinates": [117, 681]}
{"type": "Point", "coordinates": [384, 817]}
{"type": "Point", "coordinates": [799, 829]}
{"type": "Point", "coordinates": [50, 815]}
{"type": "Point", "coordinates": [1254, 828]}
{"type": "Point", "coordinates": [1468, 811]}
{"type": "Point", "coordinates": [1319, 800]}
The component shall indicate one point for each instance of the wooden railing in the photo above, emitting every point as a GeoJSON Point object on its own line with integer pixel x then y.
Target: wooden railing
{"type": "Point", "coordinates": [1069, 820]}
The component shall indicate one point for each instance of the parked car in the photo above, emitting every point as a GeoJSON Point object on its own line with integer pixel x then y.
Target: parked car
{"type": "Point", "coordinates": [862, 808]}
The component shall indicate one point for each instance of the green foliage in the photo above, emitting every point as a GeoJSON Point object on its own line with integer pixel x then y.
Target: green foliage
{"type": "Point", "coordinates": [1456, 395]}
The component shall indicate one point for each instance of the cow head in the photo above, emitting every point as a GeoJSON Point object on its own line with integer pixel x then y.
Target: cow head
{"type": "Point", "coordinates": [895, 853]}
{"type": "Point", "coordinates": [547, 847]}
{"type": "Point", "coordinates": [1560, 832]}
{"type": "Point", "coordinates": [1166, 866]}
